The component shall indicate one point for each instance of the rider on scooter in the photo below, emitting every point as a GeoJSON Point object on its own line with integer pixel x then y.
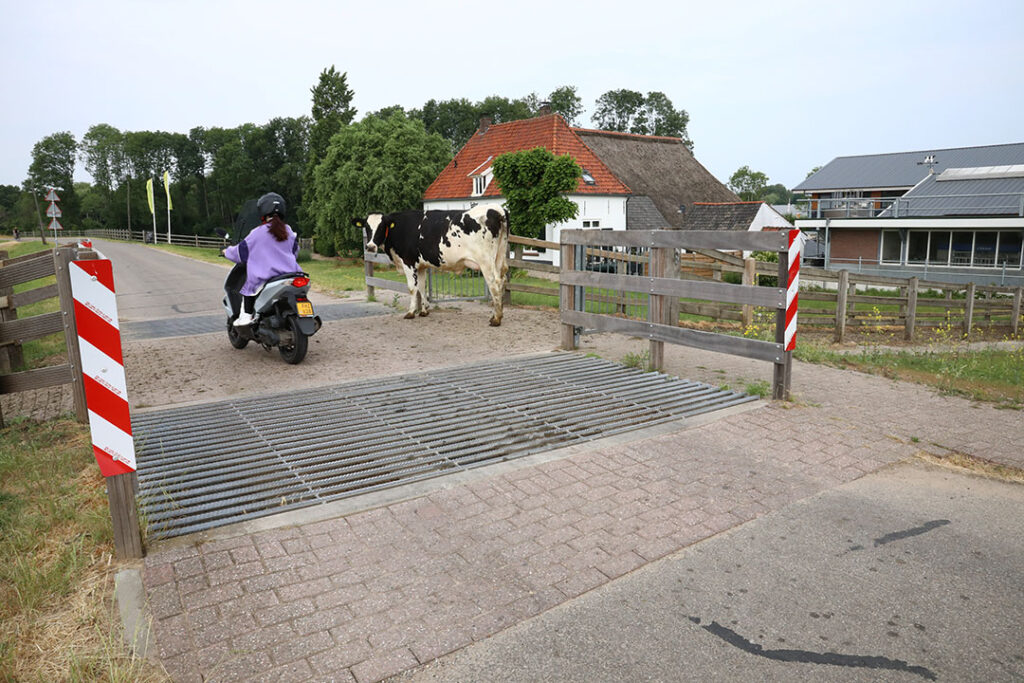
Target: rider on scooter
{"type": "Point", "coordinates": [268, 250]}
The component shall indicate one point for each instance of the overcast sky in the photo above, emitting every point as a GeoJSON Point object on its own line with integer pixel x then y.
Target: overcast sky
{"type": "Point", "coordinates": [781, 86]}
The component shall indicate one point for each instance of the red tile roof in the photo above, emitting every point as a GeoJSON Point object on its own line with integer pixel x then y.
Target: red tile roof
{"type": "Point", "coordinates": [550, 132]}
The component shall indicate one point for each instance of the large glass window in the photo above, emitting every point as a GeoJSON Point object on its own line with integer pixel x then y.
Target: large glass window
{"type": "Point", "coordinates": [938, 249]}
{"type": "Point", "coordinates": [891, 246]}
{"type": "Point", "coordinates": [985, 249]}
{"type": "Point", "coordinates": [917, 247]}
{"type": "Point", "coordinates": [1009, 248]}
{"type": "Point", "coordinates": [963, 244]}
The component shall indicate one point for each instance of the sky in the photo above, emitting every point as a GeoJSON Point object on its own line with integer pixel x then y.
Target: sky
{"type": "Point", "coordinates": [780, 86]}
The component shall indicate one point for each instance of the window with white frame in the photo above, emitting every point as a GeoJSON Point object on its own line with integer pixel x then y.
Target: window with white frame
{"type": "Point", "coordinates": [591, 224]}
{"type": "Point", "coordinates": [892, 247]}
{"type": "Point", "coordinates": [480, 182]}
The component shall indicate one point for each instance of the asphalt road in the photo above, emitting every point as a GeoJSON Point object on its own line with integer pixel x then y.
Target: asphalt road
{"type": "Point", "coordinates": [914, 573]}
{"type": "Point", "coordinates": [160, 294]}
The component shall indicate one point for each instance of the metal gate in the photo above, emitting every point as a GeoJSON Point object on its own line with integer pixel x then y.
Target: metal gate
{"type": "Point", "coordinates": [210, 465]}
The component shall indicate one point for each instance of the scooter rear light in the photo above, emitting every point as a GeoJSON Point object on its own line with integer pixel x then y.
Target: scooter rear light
{"type": "Point", "coordinates": [300, 282]}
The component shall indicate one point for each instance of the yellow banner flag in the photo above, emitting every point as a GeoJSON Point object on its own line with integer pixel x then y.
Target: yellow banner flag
{"type": "Point", "coordinates": [149, 195]}
{"type": "Point", "coordinates": [167, 188]}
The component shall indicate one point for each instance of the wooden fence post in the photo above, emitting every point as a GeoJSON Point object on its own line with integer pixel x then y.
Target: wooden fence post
{"type": "Point", "coordinates": [10, 354]}
{"type": "Point", "coordinates": [749, 274]}
{"type": "Point", "coordinates": [368, 273]}
{"type": "Point", "coordinates": [1015, 325]}
{"type": "Point", "coordinates": [783, 366]}
{"type": "Point", "coordinates": [841, 292]}
{"type": "Point", "coordinates": [61, 260]}
{"type": "Point", "coordinates": [567, 298]}
{"type": "Point", "coordinates": [657, 311]}
{"type": "Point", "coordinates": [969, 310]}
{"type": "Point", "coordinates": [124, 515]}
{"type": "Point", "coordinates": [911, 309]}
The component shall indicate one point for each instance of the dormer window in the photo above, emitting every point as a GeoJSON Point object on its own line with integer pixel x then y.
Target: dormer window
{"type": "Point", "coordinates": [481, 176]}
{"type": "Point", "coordinates": [481, 181]}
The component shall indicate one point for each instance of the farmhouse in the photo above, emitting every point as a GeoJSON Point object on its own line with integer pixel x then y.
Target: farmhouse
{"type": "Point", "coordinates": [953, 215]}
{"type": "Point", "coordinates": [630, 182]}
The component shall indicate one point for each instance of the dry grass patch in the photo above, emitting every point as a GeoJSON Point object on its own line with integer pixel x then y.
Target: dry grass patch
{"type": "Point", "coordinates": [58, 621]}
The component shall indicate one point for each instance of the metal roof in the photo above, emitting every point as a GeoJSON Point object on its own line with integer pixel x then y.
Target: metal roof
{"type": "Point", "coordinates": [976, 197]}
{"type": "Point", "coordinates": [905, 169]}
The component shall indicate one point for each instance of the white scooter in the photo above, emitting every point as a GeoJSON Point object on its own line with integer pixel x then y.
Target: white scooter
{"type": "Point", "coordinates": [283, 314]}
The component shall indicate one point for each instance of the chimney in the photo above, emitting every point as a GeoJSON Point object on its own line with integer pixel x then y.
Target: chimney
{"type": "Point", "coordinates": [544, 109]}
{"type": "Point", "coordinates": [485, 123]}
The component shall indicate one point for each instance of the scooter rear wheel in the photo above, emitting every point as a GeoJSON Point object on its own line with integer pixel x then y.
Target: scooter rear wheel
{"type": "Point", "coordinates": [236, 339]}
{"type": "Point", "coordinates": [300, 344]}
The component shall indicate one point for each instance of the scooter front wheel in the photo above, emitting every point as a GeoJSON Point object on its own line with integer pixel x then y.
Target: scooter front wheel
{"type": "Point", "coordinates": [236, 339]}
{"type": "Point", "coordinates": [294, 353]}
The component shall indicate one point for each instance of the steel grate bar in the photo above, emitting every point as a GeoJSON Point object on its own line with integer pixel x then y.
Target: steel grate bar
{"type": "Point", "coordinates": [205, 466]}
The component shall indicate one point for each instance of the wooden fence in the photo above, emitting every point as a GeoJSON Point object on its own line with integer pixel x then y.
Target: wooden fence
{"type": "Point", "coordinates": [660, 283]}
{"type": "Point", "coordinates": [15, 331]}
{"type": "Point", "coordinates": [847, 302]}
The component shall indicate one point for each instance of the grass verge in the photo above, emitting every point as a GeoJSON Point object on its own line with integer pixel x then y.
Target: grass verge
{"type": "Point", "coordinates": [58, 621]}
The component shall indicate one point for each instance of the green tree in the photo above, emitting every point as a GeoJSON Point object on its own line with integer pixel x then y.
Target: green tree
{"type": "Point", "coordinates": [102, 153]}
{"type": "Point", "coordinates": [566, 102]}
{"type": "Point", "coordinates": [534, 183]}
{"type": "Point", "coordinates": [812, 172]}
{"type": "Point", "coordinates": [628, 111]}
{"type": "Point", "coordinates": [749, 185]}
{"type": "Point", "coordinates": [455, 120]}
{"type": "Point", "coordinates": [332, 110]}
{"type": "Point", "coordinates": [53, 165]}
{"type": "Point", "coordinates": [374, 165]}
{"type": "Point", "coordinates": [9, 196]}
{"type": "Point", "coordinates": [777, 194]}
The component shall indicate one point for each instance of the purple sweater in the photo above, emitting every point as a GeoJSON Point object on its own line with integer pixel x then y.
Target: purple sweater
{"type": "Point", "coordinates": [264, 257]}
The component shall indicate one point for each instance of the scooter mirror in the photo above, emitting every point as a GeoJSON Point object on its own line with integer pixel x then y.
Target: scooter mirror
{"type": "Point", "coordinates": [222, 232]}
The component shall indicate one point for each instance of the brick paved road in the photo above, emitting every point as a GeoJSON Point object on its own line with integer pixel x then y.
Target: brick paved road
{"type": "Point", "coordinates": [364, 596]}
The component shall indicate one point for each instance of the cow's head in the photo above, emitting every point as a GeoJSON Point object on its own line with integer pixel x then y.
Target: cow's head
{"type": "Point", "coordinates": [373, 236]}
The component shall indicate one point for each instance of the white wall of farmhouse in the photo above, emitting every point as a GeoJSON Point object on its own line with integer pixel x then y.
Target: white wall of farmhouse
{"type": "Point", "coordinates": [600, 212]}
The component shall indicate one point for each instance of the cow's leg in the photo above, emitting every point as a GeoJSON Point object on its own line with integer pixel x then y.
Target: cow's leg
{"type": "Point", "coordinates": [421, 275]}
{"type": "Point", "coordinates": [411, 277]}
{"type": "Point", "coordinates": [496, 286]}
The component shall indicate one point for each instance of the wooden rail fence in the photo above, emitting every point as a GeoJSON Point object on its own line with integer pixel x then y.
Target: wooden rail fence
{"type": "Point", "coordinates": [14, 331]}
{"type": "Point", "coordinates": [663, 288]}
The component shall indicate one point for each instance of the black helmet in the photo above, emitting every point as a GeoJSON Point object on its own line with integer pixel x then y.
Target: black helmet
{"type": "Point", "coordinates": [270, 203]}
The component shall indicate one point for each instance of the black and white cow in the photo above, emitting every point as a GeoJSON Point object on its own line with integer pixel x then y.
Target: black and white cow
{"type": "Point", "coordinates": [447, 240]}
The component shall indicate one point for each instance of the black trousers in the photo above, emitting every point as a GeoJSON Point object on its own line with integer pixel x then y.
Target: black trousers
{"type": "Point", "coordinates": [249, 303]}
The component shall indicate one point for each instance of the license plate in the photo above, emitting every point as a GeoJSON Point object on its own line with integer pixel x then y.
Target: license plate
{"type": "Point", "coordinates": [305, 308]}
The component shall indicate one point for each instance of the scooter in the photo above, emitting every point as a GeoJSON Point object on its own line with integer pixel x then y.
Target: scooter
{"type": "Point", "coordinates": [283, 314]}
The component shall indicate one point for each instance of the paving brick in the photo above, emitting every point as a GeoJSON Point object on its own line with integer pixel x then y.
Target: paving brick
{"type": "Point", "coordinates": [301, 647]}
{"type": "Point", "coordinates": [284, 612]}
{"type": "Point", "coordinates": [382, 666]}
{"type": "Point", "coordinates": [164, 600]}
{"type": "Point", "coordinates": [293, 671]}
{"type": "Point", "coordinates": [172, 636]}
{"type": "Point", "coordinates": [157, 575]}
{"type": "Point", "coordinates": [334, 662]}
{"type": "Point", "coordinates": [212, 596]}
{"type": "Point", "coordinates": [305, 589]}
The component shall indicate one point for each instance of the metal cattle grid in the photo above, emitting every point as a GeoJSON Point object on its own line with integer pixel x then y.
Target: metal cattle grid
{"type": "Point", "coordinates": [214, 464]}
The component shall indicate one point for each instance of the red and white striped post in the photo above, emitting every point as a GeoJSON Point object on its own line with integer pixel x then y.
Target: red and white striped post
{"type": "Point", "coordinates": [785, 333]}
{"type": "Point", "coordinates": [796, 246]}
{"type": "Point", "coordinates": [106, 395]}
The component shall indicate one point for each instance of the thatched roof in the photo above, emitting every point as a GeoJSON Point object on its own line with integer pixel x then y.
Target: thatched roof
{"type": "Point", "coordinates": [660, 168]}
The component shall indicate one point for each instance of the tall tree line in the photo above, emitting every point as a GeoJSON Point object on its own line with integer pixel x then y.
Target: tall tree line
{"type": "Point", "coordinates": [307, 159]}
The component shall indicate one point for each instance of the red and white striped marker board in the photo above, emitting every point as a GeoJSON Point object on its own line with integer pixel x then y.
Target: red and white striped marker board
{"type": "Point", "coordinates": [99, 343]}
{"type": "Point", "coordinates": [796, 246]}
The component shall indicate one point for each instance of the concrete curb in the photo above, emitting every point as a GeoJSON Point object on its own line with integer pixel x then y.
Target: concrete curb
{"type": "Point", "coordinates": [131, 604]}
